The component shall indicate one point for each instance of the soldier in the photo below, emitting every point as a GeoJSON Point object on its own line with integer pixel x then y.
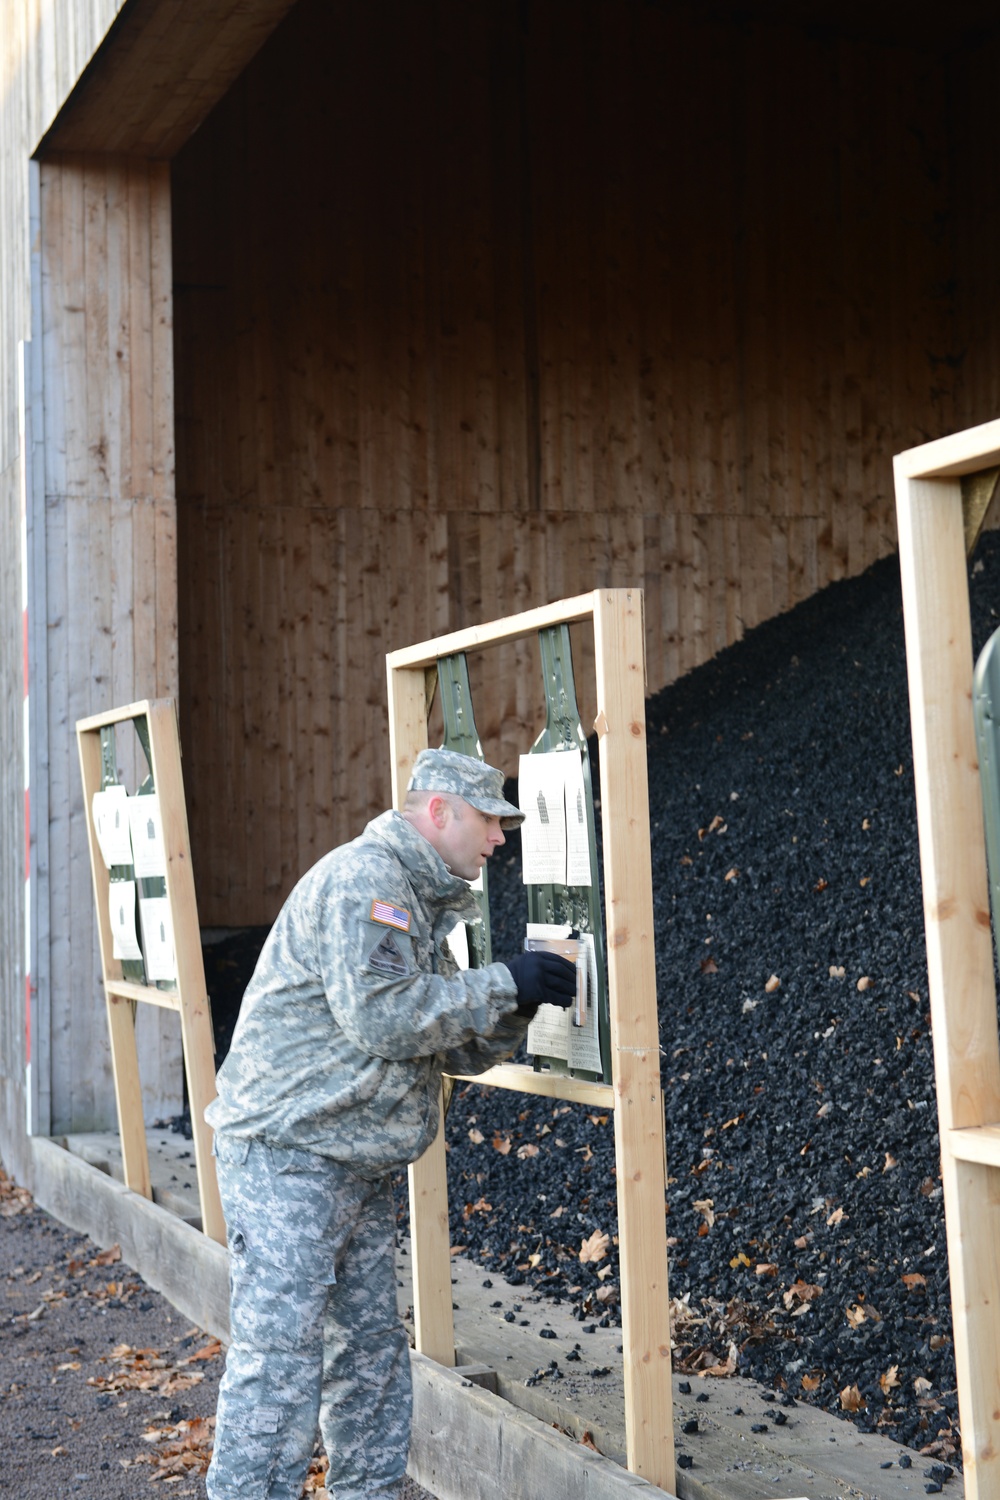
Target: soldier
{"type": "Point", "coordinates": [355, 1009]}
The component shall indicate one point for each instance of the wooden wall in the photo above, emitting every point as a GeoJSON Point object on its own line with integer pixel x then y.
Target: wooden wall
{"type": "Point", "coordinates": [111, 561]}
{"type": "Point", "coordinates": [482, 305]}
{"type": "Point", "coordinates": [44, 45]}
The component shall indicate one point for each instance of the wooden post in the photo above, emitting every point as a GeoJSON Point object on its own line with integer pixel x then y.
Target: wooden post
{"type": "Point", "coordinates": [635, 1093]}
{"type": "Point", "coordinates": [956, 917]}
{"type": "Point", "coordinates": [434, 1325]}
{"type": "Point", "coordinates": [197, 1039]}
{"type": "Point", "coordinates": [190, 996]}
{"type": "Point", "coordinates": [121, 1012]}
{"type": "Point", "coordinates": [635, 1039]}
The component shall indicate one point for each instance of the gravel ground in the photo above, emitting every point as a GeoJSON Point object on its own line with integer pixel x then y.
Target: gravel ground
{"type": "Point", "coordinates": [106, 1391]}
{"type": "Point", "coordinates": [805, 1211]}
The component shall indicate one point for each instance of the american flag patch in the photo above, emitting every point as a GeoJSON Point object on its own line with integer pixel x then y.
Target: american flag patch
{"type": "Point", "coordinates": [391, 916]}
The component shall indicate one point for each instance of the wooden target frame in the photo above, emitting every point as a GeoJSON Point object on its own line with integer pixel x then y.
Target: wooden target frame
{"type": "Point", "coordinates": [634, 1094]}
{"type": "Point", "coordinates": [189, 995]}
{"type": "Point", "coordinates": [942, 492]}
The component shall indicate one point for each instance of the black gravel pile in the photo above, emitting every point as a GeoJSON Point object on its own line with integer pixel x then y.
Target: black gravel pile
{"type": "Point", "coordinates": [805, 1208]}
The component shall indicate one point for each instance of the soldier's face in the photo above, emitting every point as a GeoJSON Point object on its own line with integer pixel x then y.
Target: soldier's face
{"type": "Point", "coordinates": [468, 839]}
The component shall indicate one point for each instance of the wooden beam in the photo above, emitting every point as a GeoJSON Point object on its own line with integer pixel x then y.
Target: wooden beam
{"type": "Point", "coordinates": [124, 989]}
{"type": "Point", "coordinates": [196, 1017]}
{"type": "Point", "coordinates": [161, 69]}
{"type": "Point", "coordinates": [956, 915]}
{"type": "Point", "coordinates": [120, 1009]}
{"type": "Point", "coordinates": [949, 457]}
{"type": "Point", "coordinates": [434, 1324]}
{"type": "Point", "coordinates": [635, 1041]}
{"type": "Point", "coordinates": [976, 1143]}
{"type": "Point", "coordinates": [427, 653]}
{"type": "Point", "coordinates": [524, 1080]}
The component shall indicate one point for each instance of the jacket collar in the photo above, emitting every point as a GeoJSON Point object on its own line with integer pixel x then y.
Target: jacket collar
{"type": "Point", "coordinates": [424, 863]}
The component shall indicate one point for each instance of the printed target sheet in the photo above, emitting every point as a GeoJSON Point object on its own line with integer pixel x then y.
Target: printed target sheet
{"type": "Point", "coordinates": [555, 847]}
{"type": "Point", "coordinates": [553, 1033]}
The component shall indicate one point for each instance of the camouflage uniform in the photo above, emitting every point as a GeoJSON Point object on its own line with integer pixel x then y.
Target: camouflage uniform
{"type": "Point", "coordinates": [355, 1009]}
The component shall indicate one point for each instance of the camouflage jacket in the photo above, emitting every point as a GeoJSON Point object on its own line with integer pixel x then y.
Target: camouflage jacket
{"type": "Point", "coordinates": [356, 1007]}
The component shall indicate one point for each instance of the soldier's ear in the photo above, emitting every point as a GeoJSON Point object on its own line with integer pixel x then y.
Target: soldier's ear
{"type": "Point", "coordinates": [438, 809]}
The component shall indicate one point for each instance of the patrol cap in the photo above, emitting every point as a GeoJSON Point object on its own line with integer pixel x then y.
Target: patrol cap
{"type": "Point", "coordinates": [478, 784]}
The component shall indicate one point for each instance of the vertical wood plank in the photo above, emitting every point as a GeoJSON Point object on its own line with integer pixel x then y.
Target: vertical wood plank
{"type": "Point", "coordinates": [639, 1144]}
{"type": "Point", "coordinates": [120, 1013]}
{"type": "Point", "coordinates": [195, 1010]}
{"type": "Point", "coordinates": [959, 938]}
{"type": "Point", "coordinates": [428, 1177]}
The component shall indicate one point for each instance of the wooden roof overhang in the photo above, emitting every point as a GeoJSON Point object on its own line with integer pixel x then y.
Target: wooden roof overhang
{"type": "Point", "coordinates": [162, 67]}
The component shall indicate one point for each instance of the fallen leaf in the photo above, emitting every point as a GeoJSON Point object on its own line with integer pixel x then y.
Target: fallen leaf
{"type": "Point", "coordinates": [728, 1368]}
{"type": "Point", "coordinates": [709, 966]}
{"type": "Point", "coordinates": [476, 1137]}
{"type": "Point", "coordinates": [811, 1382]}
{"type": "Point", "coordinates": [851, 1399]}
{"type": "Point", "coordinates": [774, 983]}
{"type": "Point", "coordinates": [739, 1260]}
{"type": "Point", "coordinates": [732, 874]}
{"type": "Point", "coordinates": [59, 1452]}
{"type": "Point", "coordinates": [588, 1442]}
{"type": "Point", "coordinates": [864, 880]}
{"type": "Point", "coordinates": [921, 1385]}
{"type": "Point", "coordinates": [890, 1162]}
{"type": "Point", "coordinates": [557, 1213]}
{"type": "Point", "coordinates": [598, 1119]}
{"type": "Point", "coordinates": [855, 1315]}
{"type": "Point", "coordinates": [801, 1242]}
{"type": "Point", "coordinates": [820, 885]}
{"type": "Point", "coordinates": [890, 1380]}
{"type": "Point", "coordinates": [766, 1268]}
{"type": "Point", "coordinates": [107, 1257]}
{"type": "Point", "coordinates": [802, 1292]}
{"type": "Point", "coordinates": [501, 1143]}
{"type": "Point", "coordinates": [594, 1248]}
{"type": "Point", "coordinates": [836, 971]}
{"type": "Point", "coordinates": [73, 1364]}
{"type": "Point", "coordinates": [837, 1217]}
{"type": "Point", "coordinates": [705, 1207]}
{"type": "Point", "coordinates": [913, 1281]}
{"type": "Point", "coordinates": [526, 1151]}
{"type": "Point", "coordinates": [864, 983]}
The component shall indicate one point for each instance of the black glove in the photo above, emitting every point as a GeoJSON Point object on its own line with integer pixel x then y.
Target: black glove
{"type": "Point", "coordinates": [542, 979]}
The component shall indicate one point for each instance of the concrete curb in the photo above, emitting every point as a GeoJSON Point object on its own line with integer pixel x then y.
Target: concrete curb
{"type": "Point", "coordinates": [471, 1445]}
{"type": "Point", "coordinates": [190, 1270]}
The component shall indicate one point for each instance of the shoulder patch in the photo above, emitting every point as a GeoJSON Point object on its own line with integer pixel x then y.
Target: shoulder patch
{"type": "Point", "coordinates": [390, 916]}
{"type": "Point", "coordinates": [388, 957]}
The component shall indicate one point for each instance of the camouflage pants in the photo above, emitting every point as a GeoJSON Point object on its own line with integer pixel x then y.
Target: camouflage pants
{"type": "Point", "coordinates": [316, 1339]}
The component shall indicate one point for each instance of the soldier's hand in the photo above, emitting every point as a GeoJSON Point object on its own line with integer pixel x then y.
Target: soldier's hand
{"type": "Point", "coordinates": [543, 979]}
